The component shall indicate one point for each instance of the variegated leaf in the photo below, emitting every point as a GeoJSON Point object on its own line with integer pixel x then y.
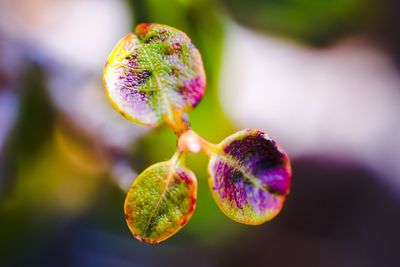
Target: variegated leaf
{"type": "Point", "coordinates": [154, 74]}
{"type": "Point", "coordinates": [249, 177]}
{"type": "Point", "coordinates": [160, 201]}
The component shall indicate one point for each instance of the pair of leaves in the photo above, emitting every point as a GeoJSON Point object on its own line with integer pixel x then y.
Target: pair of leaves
{"type": "Point", "coordinates": [156, 74]}
{"type": "Point", "coordinates": [248, 175]}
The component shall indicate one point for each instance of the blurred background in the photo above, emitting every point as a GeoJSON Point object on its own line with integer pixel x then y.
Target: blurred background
{"type": "Point", "coordinates": [320, 77]}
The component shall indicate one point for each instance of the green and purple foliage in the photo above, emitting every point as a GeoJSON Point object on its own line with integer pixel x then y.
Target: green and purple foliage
{"type": "Point", "coordinates": [161, 201]}
{"type": "Point", "coordinates": [249, 177]}
{"type": "Point", "coordinates": [156, 75]}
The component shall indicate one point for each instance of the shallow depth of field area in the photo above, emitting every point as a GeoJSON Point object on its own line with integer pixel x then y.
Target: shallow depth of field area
{"type": "Point", "coordinates": [322, 78]}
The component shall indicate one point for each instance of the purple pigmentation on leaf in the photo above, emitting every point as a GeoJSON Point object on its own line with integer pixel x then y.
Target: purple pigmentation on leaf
{"type": "Point", "coordinates": [193, 90]}
{"type": "Point", "coordinates": [250, 177]}
{"type": "Point", "coordinates": [154, 74]}
{"type": "Point", "coordinates": [262, 158]}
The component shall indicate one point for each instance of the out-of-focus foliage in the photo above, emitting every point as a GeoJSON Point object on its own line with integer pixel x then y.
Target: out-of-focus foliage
{"type": "Point", "coordinates": [314, 22]}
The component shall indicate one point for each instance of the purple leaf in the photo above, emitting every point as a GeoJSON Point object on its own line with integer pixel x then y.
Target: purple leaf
{"type": "Point", "coordinates": [249, 177]}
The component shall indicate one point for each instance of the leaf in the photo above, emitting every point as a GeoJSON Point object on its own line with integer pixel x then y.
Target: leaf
{"type": "Point", "coordinates": [249, 177]}
{"type": "Point", "coordinates": [154, 74]}
{"type": "Point", "coordinates": [160, 202]}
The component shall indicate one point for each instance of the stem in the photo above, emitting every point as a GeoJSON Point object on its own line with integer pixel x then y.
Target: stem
{"type": "Point", "coordinates": [179, 158]}
{"type": "Point", "coordinates": [178, 124]}
{"type": "Point", "coordinates": [191, 142]}
{"type": "Point", "coordinates": [188, 140]}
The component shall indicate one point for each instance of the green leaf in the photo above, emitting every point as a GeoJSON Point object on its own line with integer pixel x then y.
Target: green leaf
{"type": "Point", "coordinates": [154, 74]}
{"type": "Point", "coordinates": [161, 201]}
{"type": "Point", "coordinates": [249, 177]}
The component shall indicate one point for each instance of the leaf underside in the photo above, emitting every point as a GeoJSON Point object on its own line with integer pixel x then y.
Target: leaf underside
{"type": "Point", "coordinates": [160, 202]}
{"type": "Point", "coordinates": [249, 177]}
{"type": "Point", "coordinates": [153, 74]}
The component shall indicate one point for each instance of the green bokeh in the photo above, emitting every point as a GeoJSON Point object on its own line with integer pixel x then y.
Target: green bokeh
{"type": "Point", "coordinates": [311, 21]}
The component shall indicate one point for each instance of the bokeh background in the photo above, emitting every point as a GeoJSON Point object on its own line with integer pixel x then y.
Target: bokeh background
{"type": "Point", "coordinates": [320, 77]}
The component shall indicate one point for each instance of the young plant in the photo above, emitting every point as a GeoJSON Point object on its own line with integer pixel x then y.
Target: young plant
{"type": "Point", "coordinates": [156, 75]}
